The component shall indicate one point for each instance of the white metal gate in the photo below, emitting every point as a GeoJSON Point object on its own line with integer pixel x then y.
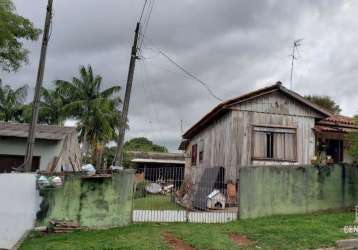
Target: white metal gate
{"type": "Point", "coordinates": [162, 195]}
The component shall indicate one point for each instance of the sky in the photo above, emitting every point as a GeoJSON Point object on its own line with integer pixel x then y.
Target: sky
{"type": "Point", "coordinates": [233, 46]}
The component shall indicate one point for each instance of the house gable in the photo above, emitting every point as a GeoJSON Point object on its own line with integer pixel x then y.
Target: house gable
{"type": "Point", "coordinates": [262, 100]}
{"type": "Point", "coordinates": [278, 102]}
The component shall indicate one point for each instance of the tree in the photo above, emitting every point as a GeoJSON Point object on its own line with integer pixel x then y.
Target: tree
{"type": "Point", "coordinates": [12, 103]}
{"type": "Point", "coordinates": [136, 144]}
{"type": "Point", "coordinates": [51, 108]}
{"type": "Point", "coordinates": [95, 108]}
{"type": "Point", "coordinates": [14, 28]}
{"type": "Point", "coordinates": [325, 102]}
{"type": "Point", "coordinates": [143, 144]}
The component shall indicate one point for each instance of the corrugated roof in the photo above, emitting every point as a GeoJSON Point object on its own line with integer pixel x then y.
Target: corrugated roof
{"type": "Point", "coordinates": [223, 107]}
{"type": "Point", "coordinates": [45, 132]}
{"type": "Point", "coordinates": [164, 161]}
{"type": "Point", "coordinates": [157, 155]}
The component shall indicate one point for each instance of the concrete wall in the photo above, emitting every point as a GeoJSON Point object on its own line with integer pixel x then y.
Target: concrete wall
{"type": "Point", "coordinates": [19, 201]}
{"type": "Point", "coordinates": [93, 202]}
{"type": "Point", "coordinates": [47, 150]}
{"type": "Point", "coordinates": [270, 190]}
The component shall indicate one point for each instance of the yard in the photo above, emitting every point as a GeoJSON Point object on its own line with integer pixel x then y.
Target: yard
{"type": "Point", "coordinates": [276, 232]}
{"type": "Point", "coordinates": [155, 202]}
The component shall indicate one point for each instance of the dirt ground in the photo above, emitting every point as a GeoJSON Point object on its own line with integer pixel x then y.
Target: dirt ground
{"type": "Point", "coordinates": [241, 240]}
{"type": "Point", "coordinates": [175, 243]}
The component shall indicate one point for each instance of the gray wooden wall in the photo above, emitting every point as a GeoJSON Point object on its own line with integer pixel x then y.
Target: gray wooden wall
{"type": "Point", "coordinates": [227, 141]}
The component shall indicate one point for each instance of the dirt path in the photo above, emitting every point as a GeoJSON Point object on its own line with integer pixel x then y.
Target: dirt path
{"type": "Point", "coordinates": [241, 240]}
{"type": "Point", "coordinates": [175, 243]}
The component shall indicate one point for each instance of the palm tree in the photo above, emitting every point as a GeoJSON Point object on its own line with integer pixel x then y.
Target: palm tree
{"type": "Point", "coordinates": [95, 108]}
{"type": "Point", "coordinates": [51, 107]}
{"type": "Point", "coordinates": [12, 103]}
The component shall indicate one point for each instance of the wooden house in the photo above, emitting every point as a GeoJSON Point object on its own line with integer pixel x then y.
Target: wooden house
{"type": "Point", "coordinates": [270, 126]}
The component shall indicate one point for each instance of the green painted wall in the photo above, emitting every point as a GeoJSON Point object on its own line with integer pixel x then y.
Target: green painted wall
{"type": "Point", "coordinates": [269, 190]}
{"type": "Point", "coordinates": [93, 202]}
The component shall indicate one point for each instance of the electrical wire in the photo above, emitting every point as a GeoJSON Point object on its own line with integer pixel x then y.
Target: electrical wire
{"type": "Point", "coordinates": [191, 75]}
{"type": "Point", "coordinates": [145, 23]}
{"type": "Point", "coordinates": [141, 14]}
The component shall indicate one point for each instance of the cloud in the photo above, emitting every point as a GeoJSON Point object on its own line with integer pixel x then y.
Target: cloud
{"type": "Point", "coordinates": [234, 46]}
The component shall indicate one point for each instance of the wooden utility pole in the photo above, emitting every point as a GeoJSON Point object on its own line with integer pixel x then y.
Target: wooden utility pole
{"type": "Point", "coordinates": [37, 96]}
{"type": "Point", "coordinates": [123, 119]}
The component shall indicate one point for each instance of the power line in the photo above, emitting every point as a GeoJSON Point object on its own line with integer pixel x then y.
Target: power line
{"type": "Point", "coordinates": [142, 12]}
{"type": "Point", "coordinates": [144, 27]}
{"type": "Point", "coordinates": [191, 75]}
{"type": "Point", "coordinates": [188, 73]}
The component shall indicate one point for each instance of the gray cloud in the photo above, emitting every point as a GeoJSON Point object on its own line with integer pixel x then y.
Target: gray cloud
{"type": "Point", "coordinates": [234, 46]}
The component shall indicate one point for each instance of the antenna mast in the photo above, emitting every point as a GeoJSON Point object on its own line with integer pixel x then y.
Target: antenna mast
{"type": "Point", "coordinates": [296, 44]}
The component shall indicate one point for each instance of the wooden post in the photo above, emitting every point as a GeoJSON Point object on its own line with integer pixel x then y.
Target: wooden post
{"type": "Point", "coordinates": [123, 121]}
{"type": "Point", "coordinates": [39, 80]}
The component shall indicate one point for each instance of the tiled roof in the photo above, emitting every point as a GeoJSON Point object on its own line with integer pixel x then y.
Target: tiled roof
{"type": "Point", "coordinates": [339, 119]}
{"type": "Point", "coordinates": [336, 123]}
{"type": "Point", "coordinates": [45, 132]}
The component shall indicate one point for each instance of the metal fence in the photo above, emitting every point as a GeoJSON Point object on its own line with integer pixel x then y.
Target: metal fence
{"type": "Point", "coordinates": [162, 194]}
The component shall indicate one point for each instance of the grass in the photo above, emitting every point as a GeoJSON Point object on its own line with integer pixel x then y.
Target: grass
{"type": "Point", "coordinates": [276, 232]}
{"type": "Point", "coordinates": [155, 202]}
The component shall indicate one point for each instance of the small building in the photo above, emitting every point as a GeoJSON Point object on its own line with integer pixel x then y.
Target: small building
{"type": "Point", "coordinates": [269, 126]}
{"type": "Point", "coordinates": [56, 147]}
{"type": "Point", "coordinates": [155, 166]}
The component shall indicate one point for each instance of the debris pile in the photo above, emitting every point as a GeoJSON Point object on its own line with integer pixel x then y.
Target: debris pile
{"type": "Point", "coordinates": [63, 226]}
{"type": "Point", "coordinates": [155, 188]}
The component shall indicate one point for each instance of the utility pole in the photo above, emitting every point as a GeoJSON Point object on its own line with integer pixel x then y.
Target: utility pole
{"type": "Point", "coordinates": [296, 44]}
{"type": "Point", "coordinates": [123, 119]}
{"type": "Point", "coordinates": [36, 102]}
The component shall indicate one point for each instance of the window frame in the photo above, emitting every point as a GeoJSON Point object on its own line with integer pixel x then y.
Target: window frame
{"type": "Point", "coordinates": [295, 150]}
{"type": "Point", "coordinates": [194, 154]}
{"type": "Point", "coordinates": [201, 151]}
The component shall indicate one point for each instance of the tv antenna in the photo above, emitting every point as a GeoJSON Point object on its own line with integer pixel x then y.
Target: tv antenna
{"type": "Point", "coordinates": [296, 44]}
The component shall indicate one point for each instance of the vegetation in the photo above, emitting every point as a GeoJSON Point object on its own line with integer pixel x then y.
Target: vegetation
{"type": "Point", "coordinates": [155, 202]}
{"type": "Point", "coordinates": [51, 107]}
{"type": "Point", "coordinates": [96, 109]}
{"type": "Point", "coordinates": [83, 99]}
{"type": "Point", "coordinates": [277, 232]}
{"type": "Point", "coordinates": [144, 145]}
{"type": "Point", "coordinates": [12, 103]}
{"type": "Point", "coordinates": [14, 28]}
{"type": "Point", "coordinates": [136, 144]}
{"type": "Point", "coordinates": [325, 102]}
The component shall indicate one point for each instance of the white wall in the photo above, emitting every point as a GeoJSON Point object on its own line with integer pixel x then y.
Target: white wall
{"type": "Point", "coordinates": [47, 150]}
{"type": "Point", "coordinates": [19, 201]}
